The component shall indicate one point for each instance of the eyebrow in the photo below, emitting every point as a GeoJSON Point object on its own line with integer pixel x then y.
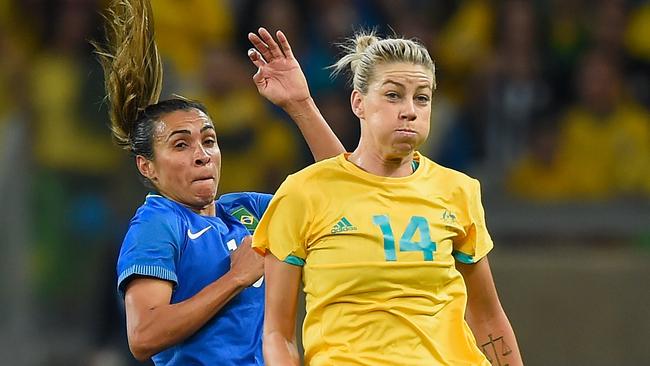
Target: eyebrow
{"type": "Point", "coordinates": [421, 86]}
{"type": "Point", "coordinates": [187, 132]}
{"type": "Point", "coordinates": [207, 127]}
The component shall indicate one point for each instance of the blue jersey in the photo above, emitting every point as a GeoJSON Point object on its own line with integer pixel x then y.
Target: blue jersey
{"type": "Point", "coordinates": [169, 241]}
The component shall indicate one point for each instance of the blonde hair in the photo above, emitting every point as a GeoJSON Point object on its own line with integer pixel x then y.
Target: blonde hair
{"type": "Point", "coordinates": [364, 51]}
{"type": "Point", "coordinates": [132, 66]}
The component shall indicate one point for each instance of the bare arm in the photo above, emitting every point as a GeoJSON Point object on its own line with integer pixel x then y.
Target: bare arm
{"type": "Point", "coordinates": [280, 80]}
{"type": "Point", "coordinates": [282, 284]}
{"type": "Point", "coordinates": [153, 324]}
{"type": "Point", "coordinates": [485, 316]}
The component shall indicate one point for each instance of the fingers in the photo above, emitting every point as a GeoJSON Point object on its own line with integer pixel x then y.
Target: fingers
{"type": "Point", "coordinates": [270, 42]}
{"type": "Point", "coordinates": [284, 43]}
{"type": "Point", "coordinates": [267, 47]}
{"type": "Point", "coordinates": [256, 58]}
{"type": "Point", "coordinates": [261, 47]}
{"type": "Point", "coordinates": [247, 240]}
{"type": "Point", "coordinates": [258, 79]}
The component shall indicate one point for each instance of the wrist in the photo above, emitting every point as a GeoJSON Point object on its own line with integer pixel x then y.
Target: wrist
{"type": "Point", "coordinates": [296, 108]}
{"type": "Point", "coordinates": [237, 281]}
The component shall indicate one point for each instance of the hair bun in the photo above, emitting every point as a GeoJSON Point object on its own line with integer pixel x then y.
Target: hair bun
{"type": "Point", "coordinates": [364, 41]}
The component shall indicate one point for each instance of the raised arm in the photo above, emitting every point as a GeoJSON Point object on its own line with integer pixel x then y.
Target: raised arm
{"type": "Point", "coordinates": [485, 316]}
{"type": "Point", "coordinates": [153, 324]}
{"type": "Point", "coordinates": [280, 80]}
{"type": "Point", "coordinates": [282, 284]}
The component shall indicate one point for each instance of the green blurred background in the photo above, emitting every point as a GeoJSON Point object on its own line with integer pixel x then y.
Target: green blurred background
{"type": "Point", "coordinates": [546, 102]}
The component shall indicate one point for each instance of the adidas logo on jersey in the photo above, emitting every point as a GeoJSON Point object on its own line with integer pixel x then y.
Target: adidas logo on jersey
{"type": "Point", "coordinates": [342, 225]}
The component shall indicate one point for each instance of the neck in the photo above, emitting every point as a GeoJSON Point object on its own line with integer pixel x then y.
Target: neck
{"type": "Point", "coordinates": [209, 210]}
{"type": "Point", "coordinates": [382, 165]}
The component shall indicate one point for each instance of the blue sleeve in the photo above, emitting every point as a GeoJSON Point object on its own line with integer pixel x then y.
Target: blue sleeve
{"type": "Point", "coordinates": [262, 201]}
{"type": "Point", "coordinates": [257, 202]}
{"type": "Point", "coordinates": [246, 207]}
{"type": "Point", "coordinates": [151, 248]}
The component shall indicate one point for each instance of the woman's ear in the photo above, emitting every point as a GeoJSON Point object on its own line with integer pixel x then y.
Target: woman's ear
{"type": "Point", "coordinates": [356, 101]}
{"type": "Point", "coordinates": [146, 167]}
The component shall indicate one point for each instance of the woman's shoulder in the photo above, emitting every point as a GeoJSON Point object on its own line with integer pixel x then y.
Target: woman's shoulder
{"type": "Point", "coordinates": [158, 208]}
{"type": "Point", "coordinates": [236, 198]}
{"type": "Point", "coordinates": [237, 201]}
{"type": "Point", "coordinates": [450, 180]}
{"type": "Point", "coordinates": [449, 174]}
{"type": "Point", "coordinates": [318, 170]}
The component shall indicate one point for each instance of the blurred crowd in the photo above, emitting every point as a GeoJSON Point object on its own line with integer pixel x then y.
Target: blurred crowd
{"type": "Point", "coordinates": [543, 100]}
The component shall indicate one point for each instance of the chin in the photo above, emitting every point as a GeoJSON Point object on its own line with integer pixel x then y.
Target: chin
{"type": "Point", "coordinates": [204, 191]}
{"type": "Point", "coordinates": [403, 150]}
{"type": "Point", "coordinates": [205, 197]}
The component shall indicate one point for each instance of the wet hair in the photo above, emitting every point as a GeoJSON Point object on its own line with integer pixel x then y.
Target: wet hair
{"type": "Point", "coordinates": [133, 76]}
{"type": "Point", "coordinates": [365, 50]}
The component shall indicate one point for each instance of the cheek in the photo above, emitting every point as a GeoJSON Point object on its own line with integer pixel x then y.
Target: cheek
{"type": "Point", "coordinates": [383, 115]}
{"type": "Point", "coordinates": [425, 131]}
{"type": "Point", "coordinates": [170, 168]}
{"type": "Point", "coordinates": [426, 117]}
{"type": "Point", "coordinates": [215, 154]}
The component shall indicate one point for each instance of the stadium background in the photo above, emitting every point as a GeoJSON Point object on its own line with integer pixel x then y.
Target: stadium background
{"type": "Point", "coordinates": [546, 102]}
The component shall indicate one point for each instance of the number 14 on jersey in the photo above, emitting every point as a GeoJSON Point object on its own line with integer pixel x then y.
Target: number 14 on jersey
{"type": "Point", "coordinates": [406, 243]}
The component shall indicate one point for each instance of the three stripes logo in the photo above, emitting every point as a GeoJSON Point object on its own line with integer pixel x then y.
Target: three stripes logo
{"type": "Point", "coordinates": [342, 226]}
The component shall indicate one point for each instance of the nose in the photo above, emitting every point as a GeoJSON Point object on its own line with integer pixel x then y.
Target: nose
{"type": "Point", "coordinates": [408, 111]}
{"type": "Point", "coordinates": [201, 157]}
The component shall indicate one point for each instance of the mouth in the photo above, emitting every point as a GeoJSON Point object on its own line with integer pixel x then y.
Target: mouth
{"type": "Point", "coordinates": [203, 179]}
{"type": "Point", "coordinates": [406, 131]}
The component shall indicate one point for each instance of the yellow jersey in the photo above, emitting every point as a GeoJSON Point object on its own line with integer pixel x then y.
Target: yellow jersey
{"type": "Point", "coordinates": [378, 257]}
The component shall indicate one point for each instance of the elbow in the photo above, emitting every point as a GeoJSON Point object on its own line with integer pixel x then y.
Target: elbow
{"type": "Point", "coordinates": [139, 353]}
{"type": "Point", "coordinates": [139, 356]}
{"type": "Point", "coordinates": [141, 347]}
{"type": "Point", "coordinates": [279, 350]}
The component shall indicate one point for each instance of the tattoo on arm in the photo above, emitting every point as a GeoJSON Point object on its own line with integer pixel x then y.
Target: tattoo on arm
{"type": "Point", "coordinates": [495, 349]}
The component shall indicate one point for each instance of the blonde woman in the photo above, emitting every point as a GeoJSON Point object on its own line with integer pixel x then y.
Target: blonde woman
{"type": "Point", "coordinates": [390, 246]}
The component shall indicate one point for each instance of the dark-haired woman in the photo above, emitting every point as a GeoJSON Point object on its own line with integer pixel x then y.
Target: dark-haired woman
{"type": "Point", "coordinates": [192, 285]}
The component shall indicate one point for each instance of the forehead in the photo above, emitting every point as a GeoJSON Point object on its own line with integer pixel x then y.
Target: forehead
{"type": "Point", "coordinates": [403, 73]}
{"type": "Point", "coordinates": [186, 119]}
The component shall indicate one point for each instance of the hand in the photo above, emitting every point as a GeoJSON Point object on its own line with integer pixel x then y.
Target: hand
{"type": "Point", "coordinates": [245, 264]}
{"type": "Point", "coordinates": [279, 77]}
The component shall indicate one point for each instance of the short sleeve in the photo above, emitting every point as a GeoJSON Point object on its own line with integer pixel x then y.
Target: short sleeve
{"type": "Point", "coordinates": [476, 243]}
{"type": "Point", "coordinates": [282, 227]}
{"type": "Point", "coordinates": [245, 207]}
{"type": "Point", "coordinates": [257, 202]}
{"type": "Point", "coordinates": [262, 201]}
{"type": "Point", "coordinates": [150, 248]}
